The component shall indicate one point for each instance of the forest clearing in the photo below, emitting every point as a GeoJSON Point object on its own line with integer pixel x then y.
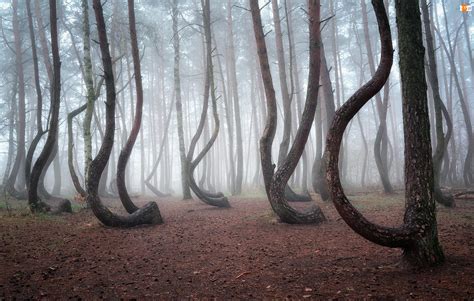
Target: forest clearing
{"type": "Point", "coordinates": [204, 253]}
{"type": "Point", "coordinates": [237, 149]}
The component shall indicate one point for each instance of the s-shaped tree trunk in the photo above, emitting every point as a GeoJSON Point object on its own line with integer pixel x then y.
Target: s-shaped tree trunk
{"type": "Point", "coordinates": [35, 203]}
{"type": "Point", "coordinates": [39, 103]}
{"type": "Point", "coordinates": [275, 182]}
{"type": "Point", "coordinates": [127, 149]}
{"type": "Point", "coordinates": [213, 199]}
{"type": "Point", "coordinates": [418, 235]}
{"type": "Point", "coordinates": [149, 214]}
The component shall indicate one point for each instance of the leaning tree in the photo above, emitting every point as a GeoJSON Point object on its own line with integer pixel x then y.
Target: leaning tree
{"type": "Point", "coordinates": [149, 214]}
{"type": "Point", "coordinates": [276, 181]}
{"type": "Point", "coordinates": [417, 236]}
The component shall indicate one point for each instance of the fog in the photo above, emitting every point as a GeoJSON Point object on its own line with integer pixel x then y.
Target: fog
{"type": "Point", "coordinates": [233, 160]}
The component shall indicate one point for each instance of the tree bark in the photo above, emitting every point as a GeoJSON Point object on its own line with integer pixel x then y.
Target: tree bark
{"type": "Point", "coordinates": [213, 199]}
{"type": "Point", "coordinates": [128, 147]}
{"type": "Point", "coordinates": [418, 234]}
{"type": "Point", "coordinates": [275, 182]}
{"type": "Point", "coordinates": [149, 214]}
{"type": "Point", "coordinates": [39, 97]}
{"type": "Point", "coordinates": [35, 203]}
{"type": "Point", "coordinates": [381, 137]}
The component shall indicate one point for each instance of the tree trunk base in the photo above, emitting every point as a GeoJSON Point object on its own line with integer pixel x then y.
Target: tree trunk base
{"type": "Point", "coordinates": [156, 192]}
{"type": "Point", "coordinates": [424, 252]}
{"type": "Point", "coordinates": [446, 200]}
{"type": "Point", "coordinates": [292, 196]}
{"type": "Point", "coordinates": [147, 215]}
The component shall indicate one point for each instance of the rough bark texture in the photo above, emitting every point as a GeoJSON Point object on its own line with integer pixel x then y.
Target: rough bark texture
{"type": "Point", "coordinates": [149, 214]}
{"type": "Point", "coordinates": [275, 182]}
{"type": "Point", "coordinates": [441, 141]}
{"type": "Point", "coordinates": [418, 235]}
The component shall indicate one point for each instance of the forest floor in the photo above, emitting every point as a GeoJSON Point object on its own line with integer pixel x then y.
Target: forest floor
{"type": "Point", "coordinates": [242, 252]}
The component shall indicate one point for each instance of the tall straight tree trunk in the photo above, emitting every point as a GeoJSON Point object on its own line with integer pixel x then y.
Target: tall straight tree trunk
{"type": "Point", "coordinates": [11, 127]}
{"type": "Point", "coordinates": [441, 141]}
{"type": "Point", "coordinates": [179, 106]}
{"type": "Point", "coordinates": [418, 235]}
{"type": "Point", "coordinates": [230, 126]}
{"type": "Point", "coordinates": [235, 98]}
{"type": "Point", "coordinates": [276, 182]}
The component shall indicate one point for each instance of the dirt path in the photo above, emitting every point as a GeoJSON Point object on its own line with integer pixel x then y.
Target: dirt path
{"type": "Point", "coordinates": [203, 252]}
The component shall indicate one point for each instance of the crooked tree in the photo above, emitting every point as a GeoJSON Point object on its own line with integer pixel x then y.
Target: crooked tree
{"type": "Point", "coordinates": [417, 236]}
{"type": "Point", "coordinates": [214, 199]}
{"type": "Point", "coordinates": [35, 203]}
{"type": "Point", "coordinates": [148, 214]}
{"type": "Point", "coordinates": [276, 181]}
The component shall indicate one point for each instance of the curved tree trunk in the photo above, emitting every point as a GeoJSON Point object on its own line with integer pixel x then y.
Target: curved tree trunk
{"type": "Point", "coordinates": [128, 147]}
{"type": "Point", "coordinates": [20, 148]}
{"type": "Point", "coordinates": [318, 178]}
{"type": "Point", "coordinates": [149, 214]}
{"type": "Point", "coordinates": [164, 140]}
{"type": "Point", "coordinates": [275, 182]}
{"type": "Point", "coordinates": [441, 141]}
{"type": "Point", "coordinates": [11, 144]}
{"type": "Point", "coordinates": [213, 199]}
{"type": "Point", "coordinates": [35, 203]}
{"type": "Point", "coordinates": [418, 235]}
{"type": "Point", "coordinates": [290, 195]}
{"type": "Point", "coordinates": [70, 150]}
{"type": "Point", "coordinates": [380, 144]}
{"type": "Point", "coordinates": [381, 137]}
{"type": "Point", "coordinates": [39, 97]}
